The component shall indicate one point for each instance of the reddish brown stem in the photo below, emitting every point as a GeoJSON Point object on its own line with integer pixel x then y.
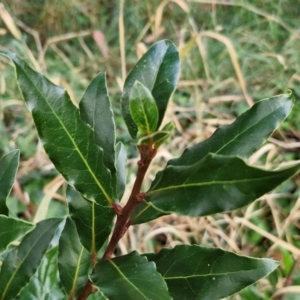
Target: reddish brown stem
{"type": "Point", "coordinates": [122, 224]}
{"type": "Point", "coordinates": [123, 214]}
{"type": "Point", "coordinates": [88, 289]}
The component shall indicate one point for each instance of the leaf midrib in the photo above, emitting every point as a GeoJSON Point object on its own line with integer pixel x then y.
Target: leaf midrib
{"type": "Point", "coordinates": [76, 272]}
{"type": "Point", "coordinates": [126, 279]}
{"type": "Point", "coordinates": [210, 183]}
{"type": "Point", "coordinates": [250, 127]}
{"type": "Point", "coordinates": [146, 117]}
{"type": "Point", "coordinates": [212, 274]}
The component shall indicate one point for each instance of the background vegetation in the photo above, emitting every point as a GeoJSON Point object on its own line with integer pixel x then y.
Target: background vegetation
{"type": "Point", "coordinates": [233, 53]}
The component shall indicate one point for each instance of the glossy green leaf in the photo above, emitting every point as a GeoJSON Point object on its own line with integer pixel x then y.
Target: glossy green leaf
{"type": "Point", "coordinates": [158, 70]}
{"type": "Point", "coordinates": [93, 222]}
{"type": "Point", "coordinates": [44, 285]}
{"type": "Point", "coordinates": [95, 110]}
{"type": "Point", "coordinates": [195, 272]}
{"type": "Point", "coordinates": [22, 262]}
{"type": "Point", "coordinates": [143, 109]}
{"type": "Point", "coordinates": [245, 135]}
{"type": "Point", "coordinates": [121, 160]}
{"type": "Point", "coordinates": [8, 169]}
{"type": "Point", "coordinates": [215, 184]}
{"type": "Point", "coordinates": [67, 139]}
{"type": "Point", "coordinates": [74, 261]}
{"type": "Point", "coordinates": [130, 277]}
{"type": "Point", "coordinates": [11, 230]}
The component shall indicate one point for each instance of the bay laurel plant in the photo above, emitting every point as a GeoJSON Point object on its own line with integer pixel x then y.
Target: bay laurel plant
{"type": "Point", "coordinates": [208, 178]}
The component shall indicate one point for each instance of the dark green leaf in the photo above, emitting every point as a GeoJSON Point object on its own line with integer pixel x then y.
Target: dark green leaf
{"type": "Point", "coordinates": [8, 169]}
{"type": "Point", "coordinates": [158, 70]}
{"type": "Point", "coordinates": [93, 222]}
{"type": "Point", "coordinates": [130, 277]}
{"type": "Point", "coordinates": [11, 230]}
{"type": "Point", "coordinates": [215, 184]}
{"type": "Point", "coordinates": [121, 160]}
{"type": "Point", "coordinates": [95, 110]}
{"type": "Point", "coordinates": [245, 135]}
{"type": "Point", "coordinates": [74, 261]}
{"type": "Point", "coordinates": [67, 139]}
{"type": "Point", "coordinates": [22, 262]}
{"type": "Point", "coordinates": [144, 212]}
{"type": "Point", "coordinates": [44, 284]}
{"type": "Point", "coordinates": [194, 272]}
{"type": "Point", "coordinates": [143, 109]}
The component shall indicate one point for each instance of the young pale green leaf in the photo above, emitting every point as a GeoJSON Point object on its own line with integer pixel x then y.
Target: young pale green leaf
{"type": "Point", "coordinates": [143, 109]}
{"type": "Point", "coordinates": [44, 284]}
{"type": "Point", "coordinates": [156, 138]}
{"type": "Point", "coordinates": [74, 261]}
{"type": "Point", "coordinates": [8, 169]}
{"type": "Point", "coordinates": [195, 272]}
{"type": "Point", "coordinates": [130, 277]}
{"type": "Point", "coordinates": [95, 110]}
{"type": "Point", "coordinates": [67, 139]}
{"type": "Point", "coordinates": [93, 222]}
{"type": "Point", "coordinates": [11, 230]}
{"type": "Point", "coordinates": [158, 70]}
{"type": "Point", "coordinates": [169, 127]}
{"type": "Point", "coordinates": [22, 262]}
{"type": "Point", "coordinates": [121, 160]}
{"type": "Point", "coordinates": [97, 296]}
{"type": "Point", "coordinates": [245, 135]}
{"type": "Point", "coordinates": [217, 183]}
